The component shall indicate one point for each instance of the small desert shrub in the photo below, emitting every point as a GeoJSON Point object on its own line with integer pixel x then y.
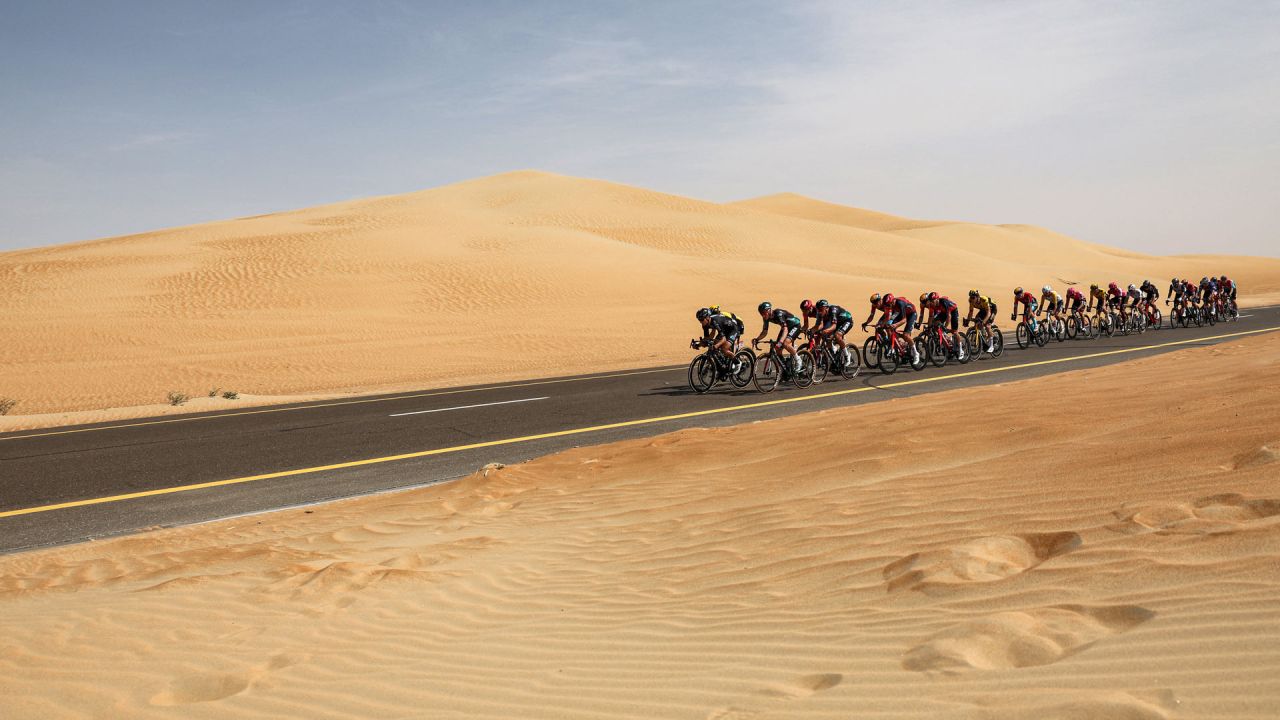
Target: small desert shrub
{"type": "Point", "coordinates": [214, 392]}
{"type": "Point", "coordinates": [177, 398]}
{"type": "Point", "coordinates": [231, 395]}
{"type": "Point", "coordinates": [6, 404]}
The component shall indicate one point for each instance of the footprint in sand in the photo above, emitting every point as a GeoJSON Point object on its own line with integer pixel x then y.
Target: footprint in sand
{"type": "Point", "coordinates": [797, 688]}
{"type": "Point", "coordinates": [208, 687]}
{"type": "Point", "coordinates": [1021, 639]}
{"type": "Point", "coordinates": [981, 560]}
{"type": "Point", "coordinates": [1211, 515]}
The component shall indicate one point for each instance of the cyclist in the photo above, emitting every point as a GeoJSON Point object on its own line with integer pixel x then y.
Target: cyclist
{"type": "Point", "coordinates": [836, 322]}
{"type": "Point", "coordinates": [876, 301]}
{"type": "Point", "coordinates": [985, 307]}
{"type": "Point", "coordinates": [1175, 294]}
{"type": "Point", "coordinates": [1206, 292]}
{"type": "Point", "coordinates": [1075, 300]}
{"type": "Point", "coordinates": [1150, 294]}
{"type": "Point", "coordinates": [898, 312]}
{"type": "Point", "coordinates": [715, 310]}
{"type": "Point", "coordinates": [789, 328]}
{"type": "Point", "coordinates": [1050, 303]}
{"type": "Point", "coordinates": [1116, 299]}
{"type": "Point", "coordinates": [942, 310]}
{"type": "Point", "coordinates": [1098, 295]}
{"type": "Point", "coordinates": [1227, 287]}
{"type": "Point", "coordinates": [807, 314]}
{"type": "Point", "coordinates": [1028, 301]}
{"type": "Point", "coordinates": [1190, 295]}
{"type": "Point", "coordinates": [1133, 296]}
{"type": "Point", "coordinates": [721, 333]}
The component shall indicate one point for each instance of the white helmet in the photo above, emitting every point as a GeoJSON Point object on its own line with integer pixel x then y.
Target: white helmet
{"type": "Point", "coordinates": [1046, 289]}
{"type": "Point", "coordinates": [1132, 287]}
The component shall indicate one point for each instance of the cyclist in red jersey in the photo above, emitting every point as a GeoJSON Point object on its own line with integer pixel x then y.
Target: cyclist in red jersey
{"type": "Point", "coordinates": [1028, 300]}
{"type": "Point", "coordinates": [943, 310]}
{"type": "Point", "coordinates": [1075, 300]}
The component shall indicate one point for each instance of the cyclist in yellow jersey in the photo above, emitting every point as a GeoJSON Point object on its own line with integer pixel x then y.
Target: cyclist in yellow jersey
{"type": "Point", "coordinates": [1098, 295]}
{"type": "Point", "coordinates": [1051, 303]}
{"type": "Point", "coordinates": [985, 308]}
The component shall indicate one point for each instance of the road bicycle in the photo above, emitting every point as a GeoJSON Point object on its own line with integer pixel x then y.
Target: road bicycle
{"type": "Point", "coordinates": [1080, 326]}
{"type": "Point", "coordinates": [711, 367]}
{"type": "Point", "coordinates": [773, 368]}
{"type": "Point", "coordinates": [1029, 331]}
{"type": "Point", "coordinates": [1154, 318]}
{"type": "Point", "coordinates": [941, 348]}
{"type": "Point", "coordinates": [984, 339]}
{"type": "Point", "coordinates": [828, 358]}
{"type": "Point", "coordinates": [890, 349]}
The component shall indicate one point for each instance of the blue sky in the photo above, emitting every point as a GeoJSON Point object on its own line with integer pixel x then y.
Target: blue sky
{"type": "Point", "coordinates": [1153, 126]}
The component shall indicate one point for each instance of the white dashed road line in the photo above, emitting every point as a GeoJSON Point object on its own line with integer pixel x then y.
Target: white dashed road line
{"type": "Point", "coordinates": [468, 407]}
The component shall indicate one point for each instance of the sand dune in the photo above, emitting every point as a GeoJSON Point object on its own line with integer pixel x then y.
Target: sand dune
{"type": "Point", "coordinates": [1076, 546]}
{"type": "Point", "coordinates": [517, 275]}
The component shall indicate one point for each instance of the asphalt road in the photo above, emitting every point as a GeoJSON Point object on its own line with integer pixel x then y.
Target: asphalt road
{"type": "Point", "coordinates": [71, 484]}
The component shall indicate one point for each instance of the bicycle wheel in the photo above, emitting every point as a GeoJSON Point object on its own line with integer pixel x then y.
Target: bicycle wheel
{"type": "Point", "coordinates": [1024, 335]}
{"type": "Point", "coordinates": [804, 378]}
{"type": "Point", "coordinates": [822, 365]}
{"type": "Point", "coordinates": [849, 369]}
{"type": "Point", "coordinates": [975, 346]}
{"type": "Point", "coordinates": [921, 358]}
{"type": "Point", "coordinates": [1211, 316]}
{"type": "Point", "coordinates": [768, 372]}
{"type": "Point", "coordinates": [1042, 334]}
{"type": "Point", "coordinates": [702, 374]}
{"type": "Point", "coordinates": [997, 341]}
{"type": "Point", "coordinates": [1073, 327]}
{"type": "Point", "coordinates": [937, 351]}
{"type": "Point", "coordinates": [1157, 320]}
{"type": "Point", "coordinates": [964, 349]}
{"type": "Point", "coordinates": [888, 359]}
{"type": "Point", "coordinates": [871, 352]}
{"type": "Point", "coordinates": [746, 369]}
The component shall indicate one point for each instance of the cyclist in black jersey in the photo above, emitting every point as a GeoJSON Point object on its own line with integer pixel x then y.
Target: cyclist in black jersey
{"type": "Point", "coordinates": [789, 328]}
{"type": "Point", "coordinates": [720, 332]}
{"type": "Point", "coordinates": [834, 322]}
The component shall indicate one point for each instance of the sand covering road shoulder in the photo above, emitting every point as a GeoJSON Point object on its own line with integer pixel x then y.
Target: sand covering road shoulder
{"type": "Point", "coordinates": [1098, 544]}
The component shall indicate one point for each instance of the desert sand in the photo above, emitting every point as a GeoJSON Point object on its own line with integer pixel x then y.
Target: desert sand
{"type": "Point", "coordinates": [520, 275]}
{"type": "Point", "coordinates": [1099, 544]}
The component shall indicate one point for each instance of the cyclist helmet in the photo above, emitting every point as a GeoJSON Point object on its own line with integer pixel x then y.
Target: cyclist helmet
{"type": "Point", "coordinates": [715, 309]}
{"type": "Point", "coordinates": [1173, 281]}
{"type": "Point", "coordinates": [1113, 285]}
{"type": "Point", "coordinates": [703, 314]}
{"type": "Point", "coordinates": [887, 300]}
{"type": "Point", "coordinates": [933, 297]}
{"type": "Point", "coordinates": [1132, 287]}
{"type": "Point", "coordinates": [1046, 289]}
{"type": "Point", "coordinates": [1204, 281]}
{"type": "Point", "coordinates": [1017, 290]}
{"type": "Point", "coordinates": [924, 298]}
{"type": "Point", "coordinates": [875, 298]}
{"type": "Point", "coordinates": [1093, 286]}
{"type": "Point", "coordinates": [806, 306]}
{"type": "Point", "coordinates": [821, 305]}
{"type": "Point", "coordinates": [974, 293]}
{"type": "Point", "coordinates": [1223, 278]}
{"type": "Point", "coordinates": [765, 307]}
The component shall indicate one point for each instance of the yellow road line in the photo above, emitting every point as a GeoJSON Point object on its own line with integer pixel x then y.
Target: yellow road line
{"type": "Point", "coordinates": [598, 428]}
{"type": "Point", "coordinates": [332, 404]}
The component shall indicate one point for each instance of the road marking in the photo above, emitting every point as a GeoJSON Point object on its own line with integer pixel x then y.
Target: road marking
{"type": "Point", "coordinates": [598, 428]}
{"type": "Point", "coordinates": [337, 404]}
{"type": "Point", "coordinates": [468, 407]}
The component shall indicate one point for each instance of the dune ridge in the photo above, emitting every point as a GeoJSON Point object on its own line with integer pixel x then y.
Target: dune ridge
{"type": "Point", "coordinates": [566, 275]}
{"type": "Point", "coordinates": [1010, 556]}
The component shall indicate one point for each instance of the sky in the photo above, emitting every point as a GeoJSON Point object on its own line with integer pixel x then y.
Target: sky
{"type": "Point", "coordinates": [1152, 126]}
